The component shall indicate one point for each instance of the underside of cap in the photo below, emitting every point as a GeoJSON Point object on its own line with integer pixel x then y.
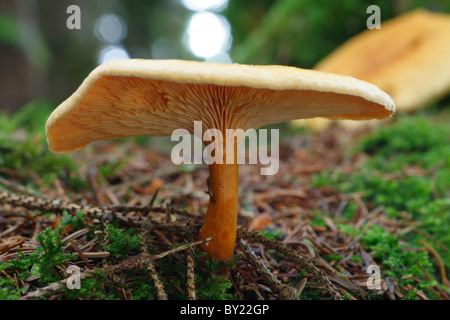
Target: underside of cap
{"type": "Point", "coordinates": [126, 98]}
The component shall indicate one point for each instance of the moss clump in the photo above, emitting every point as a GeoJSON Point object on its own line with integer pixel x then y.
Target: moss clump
{"type": "Point", "coordinates": [7, 290]}
{"type": "Point", "coordinates": [44, 262]}
{"type": "Point", "coordinates": [122, 242]}
{"type": "Point", "coordinates": [408, 174]}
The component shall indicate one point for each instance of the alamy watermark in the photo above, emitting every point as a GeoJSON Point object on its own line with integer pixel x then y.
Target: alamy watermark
{"type": "Point", "coordinates": [220, 148]}
{"type": "Point", "coordinates": [374, 20]}
{"type": "Point", "coordinates": [73, 22]}
{"type": "Point", "coordinates": [374, 281]}
{"type": "Point", "coordinates": [74, 280]}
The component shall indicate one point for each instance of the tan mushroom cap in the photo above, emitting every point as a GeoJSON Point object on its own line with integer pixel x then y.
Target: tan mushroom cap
{"type": "Point", "coordinates": [126, 98]}
{"type": "Point", "coordinates": [408, 58]}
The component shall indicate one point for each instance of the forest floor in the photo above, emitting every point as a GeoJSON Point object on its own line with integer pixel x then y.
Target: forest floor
{"type": "Point", "coordinates": [351, 214]}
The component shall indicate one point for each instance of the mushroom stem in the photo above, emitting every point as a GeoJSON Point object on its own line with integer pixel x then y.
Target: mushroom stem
{"type": "Point", "coordinates": [221, 216]}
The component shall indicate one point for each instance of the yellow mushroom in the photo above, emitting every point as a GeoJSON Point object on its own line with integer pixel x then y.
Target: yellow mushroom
{"type": "Point", "coordinates": [408, 58]}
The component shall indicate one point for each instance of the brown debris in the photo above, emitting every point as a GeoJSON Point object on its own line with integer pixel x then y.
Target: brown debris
{"type": "Point", "coordinates": [166, 205]}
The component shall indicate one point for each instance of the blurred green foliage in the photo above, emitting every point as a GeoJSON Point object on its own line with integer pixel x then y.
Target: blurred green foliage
{"type": "Point", "coordinates": [301, 32]}
{"type": "Point", "coordinates": [23, 147]}
{"type": "Point", "coordinates": [9, 31]}
{"type": "Point", "coordinates": [7, 290]}
{"type": "Point", "coordinates": [287, 32]}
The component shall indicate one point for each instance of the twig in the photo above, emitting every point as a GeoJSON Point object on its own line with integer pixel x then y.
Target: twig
{"type": "Point", "coordinates": [301, 286]}
{"type": "Point", "coordinates": [132, 263]}
{"type": "Point", "coordinates": [19, 188]}
{"type": "Point", "coordinates": [92, 177]}
{"type": "Point", "coordinates": [443, 294]}
{"type": "Point", "coordinates": [75, 235]}
{"type": "Point", "coordinates": [191, 274]}
{"type": "Point", "coordinates": [285, 292]}
{"type": "Point", "coordinates": [9, 245]}
{"type": "Point", "coordinates": [154, 196]}
{"type": "Point", "coordinates": [309, 264]}
{"type": "Point", "coordinates": [75, 247]}
{"type": "Point", "coordinates": [162, 295]}
{"type": "Point", "coordinates": [439, 261]}
{"type": "Point", "coordinates": [59, 206]}
{"type": "Point", "coordinates": [96, 255]}
{"type": "Point", "coordinates": [53, 288]}
{"type": "Point", "coordinates": [181, 248]}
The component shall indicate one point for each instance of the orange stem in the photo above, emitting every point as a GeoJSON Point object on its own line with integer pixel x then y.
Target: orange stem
{"type": "Point", "coordinates": [221, 216]}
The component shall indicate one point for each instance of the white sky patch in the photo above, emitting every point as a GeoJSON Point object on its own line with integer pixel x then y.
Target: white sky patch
{"type": "Point", "coordinates": [200, 5]}
{"type": "Point", "coordinates": [208, 34]}
{"type": "Point", "coordinates": [111, 28]}
{"type": "Point", "coordinates": [111, 53]}
{"type": "Point", "coordinates": [221, 57]}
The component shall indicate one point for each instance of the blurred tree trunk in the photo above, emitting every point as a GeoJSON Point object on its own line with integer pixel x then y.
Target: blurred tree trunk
{"type": "Point", "coordinates": [33, 45]}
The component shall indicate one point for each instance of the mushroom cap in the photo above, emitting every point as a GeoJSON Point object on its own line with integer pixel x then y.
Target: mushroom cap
{"type": "Point", "coordinates": [408, 58]}
{"type": "Point", "coordinates": [136, 97]}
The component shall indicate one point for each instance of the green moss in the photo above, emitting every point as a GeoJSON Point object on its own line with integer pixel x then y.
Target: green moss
{"type": "Point", "coordinates": [144, 289]}
{"type": "Point", "coordinates": [214, 288]}
{"type": "Point", "coordinates": [407, 174]}
{"type": "Point", "coordinates": [91, 288]}
{"type": "Point", "coordinates": [76, 222]}
{"type": "Point", "coordinates": [49, 254]}
{"type": "Point", "coordinates": [398, 259]}
{"type": "Point", "coordinates": [173, 275]}
{"type": "Point", "coordinates": [23, 147]}
{"type": "Point", "coordinates": [411, 295]}
{"type": "Point", "coordinates": [7, 290]}
{"type": "Point", "coordinates": [122, 242]}
{"type": "Point", "coordinates": [211, 286]}
{"type": "Point", "coordinates": [274, 234]}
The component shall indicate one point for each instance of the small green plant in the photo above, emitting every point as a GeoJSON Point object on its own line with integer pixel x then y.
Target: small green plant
{"type": "Point", "coordinates": [173, 275]}
{"type": "Point", "coordinates": [49, 255]}
{"type": "Point", "coordinates": [23, 263]}
{"type": "Point", "coordinates": [212, 286]}
{"type": "Point", "coordinates": [122, 242]}
{"type": "Point", "coordinates": [411, 295]}
{"type": "Point", "coordinates": [399, 260]}
{"type": "Point", "coordinates": [274, 234]}
{"type": "Point", "coordinates": [76, 222]}
{"type": "Point", "coordinates": [215, 288]}
{"type": "Point", "coordinates": [143, 288]}
{"type": "Point", "coordinates": [91, 288]}
{"type": "Point", "coordinates": [8, 290]}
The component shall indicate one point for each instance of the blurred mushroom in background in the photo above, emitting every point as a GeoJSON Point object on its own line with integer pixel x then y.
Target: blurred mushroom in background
{"type": "Point", "coordinates": [408, 58]}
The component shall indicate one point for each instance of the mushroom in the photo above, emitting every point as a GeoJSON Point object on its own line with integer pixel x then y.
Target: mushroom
{"type": "Point", "coordinates": [125, 98]}
{"type": "Point", "coordinates": [408, 58]}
